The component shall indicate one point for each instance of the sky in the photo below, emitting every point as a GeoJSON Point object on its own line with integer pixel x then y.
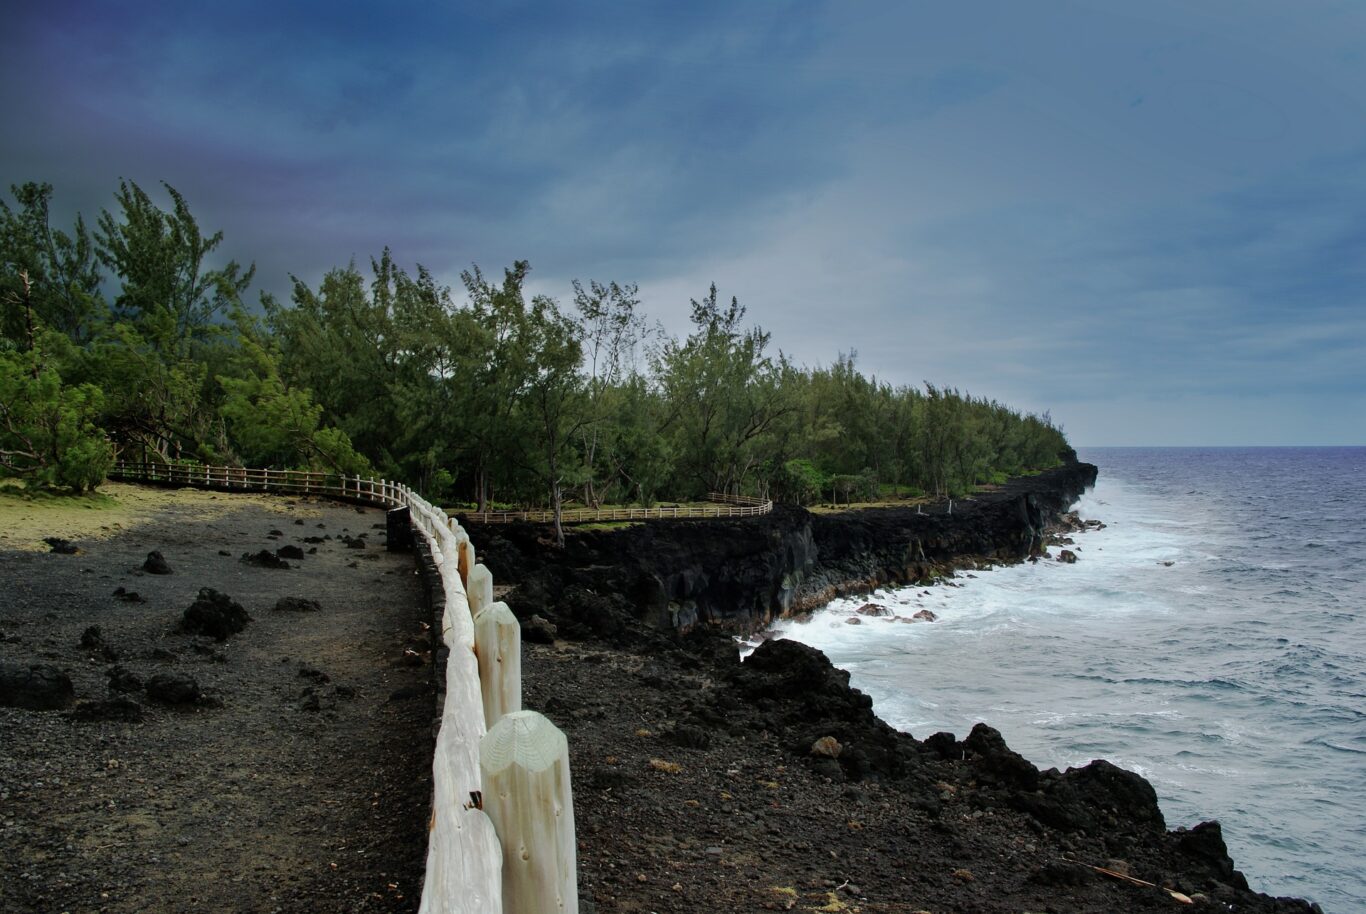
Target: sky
{"type": "Point", "coordinates": [1146, 218]}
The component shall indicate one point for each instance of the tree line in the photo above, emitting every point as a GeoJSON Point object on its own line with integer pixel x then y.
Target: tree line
{"type": "Point", "coordinates": [133, 338]}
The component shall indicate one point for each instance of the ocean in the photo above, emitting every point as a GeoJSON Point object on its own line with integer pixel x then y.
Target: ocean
{"type": "Point", "coordinates": [1212, 638]}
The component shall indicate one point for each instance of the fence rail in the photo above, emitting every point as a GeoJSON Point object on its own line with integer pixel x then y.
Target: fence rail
{"type": "Point", "coordinates": [724, 506]}
{"type": "Point", "coordinates": [515, 847]}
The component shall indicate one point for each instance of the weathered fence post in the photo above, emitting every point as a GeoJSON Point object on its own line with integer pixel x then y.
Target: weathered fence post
{"type": "Point", "coordinates": [525, 765]}
{"type": "Point", "coordinates": [498, 645]}
{"type": "Point", "coordinates": [478, 587]}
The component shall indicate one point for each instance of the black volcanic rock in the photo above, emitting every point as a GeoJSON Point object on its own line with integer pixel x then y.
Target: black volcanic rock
{"type": "Point", "coordinates": [155, 563]}
{"type": "Point", "coordinates": [37, 687]}
{"type": "Point", "coordinates": [214, 614]}
{"type": "Point", "coordinates": [174, 689]}
{"type": "Point", "coordinates": [997, 762]}
{"type": "Point", "coordinates": [741, 574]}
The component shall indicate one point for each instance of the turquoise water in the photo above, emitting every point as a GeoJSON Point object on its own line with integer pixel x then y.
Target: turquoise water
{"type": "Point", "coordinates": [1212, 638]}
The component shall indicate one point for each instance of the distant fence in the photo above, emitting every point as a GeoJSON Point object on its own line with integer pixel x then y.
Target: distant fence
{"type": "Point", "coordinates": [725, 506]}
{"type": "Point", "coordinates": [284, 482]}
{"type": "Point", "coordinates": [508, 848]}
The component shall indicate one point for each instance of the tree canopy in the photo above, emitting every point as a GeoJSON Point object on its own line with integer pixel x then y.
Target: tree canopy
{"type": "Point", "coordinates": [136, 340]}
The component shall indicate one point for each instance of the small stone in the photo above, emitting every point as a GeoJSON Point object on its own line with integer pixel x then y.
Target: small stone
{"type": "Point", "coordinates": [296, 605]}
{"type": "Point", "coordinates": [963, 875]}
{"type": "Point", "coordinates": [118, 708]}
{"type": "Point", "coordinates": [827, 746]}
{"type": "Point", "coordinates": [538, 630]}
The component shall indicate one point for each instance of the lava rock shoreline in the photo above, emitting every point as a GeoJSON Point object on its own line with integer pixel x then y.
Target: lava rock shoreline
{"type": "Point", "coordinates": [645, 617]}
{"type": "Point", "coordinates": [741, 575]}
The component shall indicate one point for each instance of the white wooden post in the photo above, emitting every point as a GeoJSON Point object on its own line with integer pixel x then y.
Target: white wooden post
{"type": "Point", "coordinates": [527, 794]}
{"type": "Point", "coordinates": [498, 645]}
{"type": "Point", "coordinates": [463, 854]}
{"type": "Point", "coordinates": [479, 588]}
{"type": "Point", "coordinates": [466, 562]}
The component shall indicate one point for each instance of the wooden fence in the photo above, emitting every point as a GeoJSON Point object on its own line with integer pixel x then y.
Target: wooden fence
{"type": "Point", "coordinates": [511, 847]}
{"type": "Point", "coordinates": [724, 506]}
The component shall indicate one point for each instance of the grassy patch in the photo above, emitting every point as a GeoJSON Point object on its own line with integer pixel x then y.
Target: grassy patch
{"type": "Point", "coordinates": [28, 516]}
{"type": "Point", "coordinates": [903, 502]}
{"type": "Point", "coordinates": [605, 525]}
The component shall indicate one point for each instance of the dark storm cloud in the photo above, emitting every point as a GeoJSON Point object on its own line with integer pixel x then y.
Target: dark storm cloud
{"type": "Point", "coordinates": [1099, 208]}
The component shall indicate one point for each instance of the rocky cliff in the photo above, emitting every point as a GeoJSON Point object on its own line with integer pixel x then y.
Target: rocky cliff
{"type": "Point", "coordinates": [740, 575]}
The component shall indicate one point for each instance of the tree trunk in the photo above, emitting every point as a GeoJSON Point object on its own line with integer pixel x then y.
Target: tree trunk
{"type": "Point", "coordinates": [557, 506]}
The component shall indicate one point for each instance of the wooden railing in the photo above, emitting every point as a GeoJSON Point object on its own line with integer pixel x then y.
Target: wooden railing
{"type": "Point", "coordinates": [508, 848]}
{"type": "Point", "coordinates": [287, 482]}
{"type": "Point", "coordinates": [725, 506]}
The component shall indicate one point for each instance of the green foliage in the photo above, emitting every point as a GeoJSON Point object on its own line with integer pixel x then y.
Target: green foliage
{"type": "Point", "coordinates": [167, 289]}
{"type": "Point", "coordinates": [275, 425]}
{"type": "Point", "coordinates": [498, 397]}
{"type": "Point", "coordinates": [48, 278]}
{"type": "Point", "coordinates": [798, 481]}
{"type": "Point", "coordinates": [47, 430]}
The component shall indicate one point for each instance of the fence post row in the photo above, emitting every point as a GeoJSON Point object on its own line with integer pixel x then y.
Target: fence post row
{"type": "Point", "coordinates": [517, 853]}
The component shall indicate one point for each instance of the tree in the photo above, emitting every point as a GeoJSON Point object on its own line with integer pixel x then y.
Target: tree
{"type": "Point", "coordinates": [167, 289]}
{"type": "Point", "coordinates": [554, 398]}
{"type": "Point", "coordinates": [496, 373]}
{"type": "Point", "coordinates": [273, 424]}
{"type": "Point", "coordinates": [723, 393]}
{"type": "Point", "coordinates": [55, 274]}
{"type": "Point", "coordinates": [47, 430]}
{"type": "Point", "coordinates": [611, 331]}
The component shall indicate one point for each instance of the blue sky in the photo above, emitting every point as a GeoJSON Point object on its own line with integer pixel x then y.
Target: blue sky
{"type": "Point", "coordinates": [1148, 218]}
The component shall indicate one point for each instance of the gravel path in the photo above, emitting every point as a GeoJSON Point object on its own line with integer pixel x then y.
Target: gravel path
{"type": "Point", "coordinates": [300, 781]}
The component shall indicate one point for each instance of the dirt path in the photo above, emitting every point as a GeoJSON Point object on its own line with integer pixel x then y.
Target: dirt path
{"type": "Point", "coordinates": [301, 783]}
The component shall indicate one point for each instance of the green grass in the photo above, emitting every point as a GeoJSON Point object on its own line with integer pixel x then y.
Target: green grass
{"type": "Point", "coordinates": [15, 493]}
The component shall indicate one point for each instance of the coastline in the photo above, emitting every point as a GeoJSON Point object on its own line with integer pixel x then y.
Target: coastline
{"type": "Point", "coordinates": [660, 714]}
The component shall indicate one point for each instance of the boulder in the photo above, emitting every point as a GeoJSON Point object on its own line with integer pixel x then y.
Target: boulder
{"type": "Point", "coordinates": [995, 761]}
{"type": "Point", "coordinates": [264, 559]}
{"type": "Point", "coordinates": [873, 609]}
{"type": "Point", "coordinates": [37, 687]}
{"type": "Point", "coordinates": [214, 614]}
{"type": "Point", "coordinates": [117, 709]}
{"type": "Point", "coordinates": [155, 563]}
{"type": "Point", "coordinates": [1067, 557]}
{"type": "Point", "coordinates": [61, 546]}
{"type": "Point", "coordinates": [925, 615]}
{"type": "Point", "coordinates": [122, 680]}
{"type": "Point", "coordinates": [92, 640]}
{"type": "Point", "coordinates": [290, 552]}
{"type": "Point", "coordinates": [1204, 845]}
{"type": "Point", "coordinates": [174, 689]}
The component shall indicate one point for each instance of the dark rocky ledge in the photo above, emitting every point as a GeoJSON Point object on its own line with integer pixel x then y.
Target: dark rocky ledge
{"type": "Point", "coordinates": [968, 824]}
{"type": "Point", "coordinates": [740, 575]}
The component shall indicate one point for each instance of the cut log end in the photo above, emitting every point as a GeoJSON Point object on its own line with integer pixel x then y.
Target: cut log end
{"type": "Point", "coordinates": [525, 739]}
